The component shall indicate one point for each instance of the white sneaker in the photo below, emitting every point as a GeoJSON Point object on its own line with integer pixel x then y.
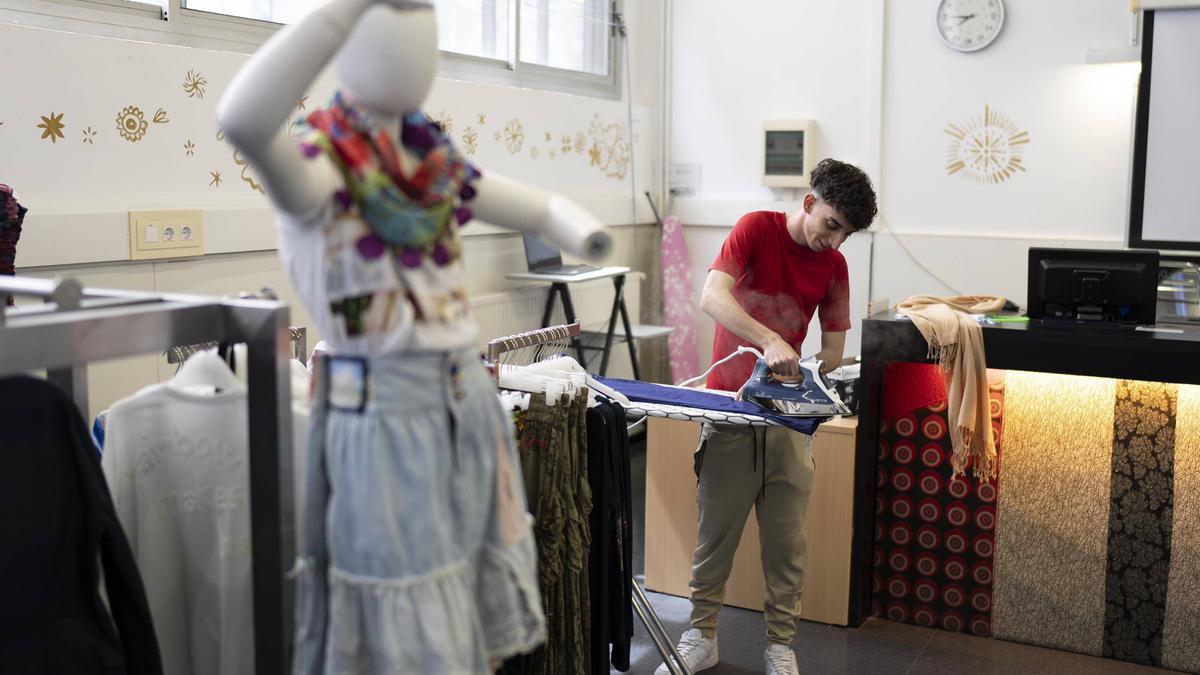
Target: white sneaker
{"type": "Point", "coordinates": [698, 652]}
{"type": "Point", "coordinates": [780, 659]}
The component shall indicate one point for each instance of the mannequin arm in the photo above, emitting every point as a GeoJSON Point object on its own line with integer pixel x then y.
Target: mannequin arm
{"type": "Point", "coordinates": [261, 97]}
{"type": "Point", "coordinates": [507, 203]}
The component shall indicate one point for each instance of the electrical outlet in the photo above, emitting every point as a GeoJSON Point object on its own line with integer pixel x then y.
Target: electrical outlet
{"type": "Point", "coordinates": [165, 234]}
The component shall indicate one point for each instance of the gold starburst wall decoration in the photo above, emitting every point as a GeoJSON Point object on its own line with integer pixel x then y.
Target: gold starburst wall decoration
{"type": "Point", "coordinates": [89, 136]}
{"type": "Point", "coordinates": [470, 141]}
{"type": "Point", "coordinates": [514, 136]}
{"type": "Point", "coordinates": [189, 148]}
{"type": "Point", "coordinates": [987, 149]}
{"type": "Point", "coordinates": [566, 144]}
{"type": "Point", "coordinates": [52, 126]}
{"type": "Point", "coordinates": [132, 124]}
{"type": "Point", "coordinates": [194, 84]}
{"type": "Point", "coordinates": [160, 117]}
{"type": "Point", "coordinates": [482, 120]}
{"type": "Point", "coordinates": [216, 178]}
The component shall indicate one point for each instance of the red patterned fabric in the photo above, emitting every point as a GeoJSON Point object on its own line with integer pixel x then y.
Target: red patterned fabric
{"type": "Point", "coordinates": [934, 537]}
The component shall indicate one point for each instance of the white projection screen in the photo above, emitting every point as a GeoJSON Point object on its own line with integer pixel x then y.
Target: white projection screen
{"type": "Point", "coordinates": [1165, 192]}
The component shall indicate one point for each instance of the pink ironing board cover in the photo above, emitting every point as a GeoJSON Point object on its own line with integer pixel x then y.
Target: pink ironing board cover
{"type": "Point", "coordinates": [678, 302]}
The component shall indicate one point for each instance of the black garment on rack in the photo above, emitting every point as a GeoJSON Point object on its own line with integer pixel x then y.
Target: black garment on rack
{"type": "Point", "coordinates": [58, 527]}
{"type": "Point", "coordinates": [611, 558]}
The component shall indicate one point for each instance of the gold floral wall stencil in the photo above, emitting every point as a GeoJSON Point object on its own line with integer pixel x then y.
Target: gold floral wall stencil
{"type": "Point", "coordinates": [247, 169]}
{"type": "Point", "coordinates": [549, 136]}
{"type": "Point", "coordinates": [160, 117]}
{"type": "Point", "coordinates": [610, 148]}
{"type": "Point", "coordinates": [566, 144]}
{"type": "Point", "coordinates": [216, 178]}
{"type": "Point", "coordinates": [89, 136]}
{"type": "Point", "coordinates": [482, 119]}
{"type": "Point", "coordinates": [194, 84]}
{"type": "Point", "coordinates": [443, 120]}
{"type": "Point", "coordinates": [514, 136]}
{"type": "Point", "coordinates": [302, 103]}
{"type": "Point", "coordinates": [533, 151]}
{"type": "Point", "coordinates": [497, 136]}
{"type": "Point", "coordinates": [132, 124]}
{"type": "Point", "coordinates": [986, 149]}
{"type": "Point", "coordinates": [470, 141]}
{"type": "Point", "coordinates": [553, 154]}
{"type": "Point", "coordinates": [189, 148]}
{"type": "Point", "coordinates": [580, 142]}
{"type": "Point", "coordinates": [52, 126]}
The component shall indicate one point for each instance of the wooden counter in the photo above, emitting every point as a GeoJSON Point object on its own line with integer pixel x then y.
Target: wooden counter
{"type": "Point", "coordinates": [671, 517]}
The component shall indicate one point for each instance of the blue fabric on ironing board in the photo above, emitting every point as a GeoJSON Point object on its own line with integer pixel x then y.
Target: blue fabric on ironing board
{"type": "Point", "coordinates": [648, 392]}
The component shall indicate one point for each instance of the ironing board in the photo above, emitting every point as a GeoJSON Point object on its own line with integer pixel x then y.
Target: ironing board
{"type": "Point", "coordinates": [701, 405]}
{"type": "Point", "coordinates": [689, 414]}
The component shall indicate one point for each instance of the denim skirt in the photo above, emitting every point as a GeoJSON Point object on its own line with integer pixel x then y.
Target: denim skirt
{"type": "Point", "coordinates": [416, 553]}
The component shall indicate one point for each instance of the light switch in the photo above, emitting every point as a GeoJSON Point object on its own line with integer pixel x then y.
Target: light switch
{"type": "Point", "coordinates": [165, 234]}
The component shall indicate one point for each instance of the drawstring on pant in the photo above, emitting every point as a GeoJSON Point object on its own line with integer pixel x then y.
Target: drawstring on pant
{"type": "Point", "coordinates": [760, 448]}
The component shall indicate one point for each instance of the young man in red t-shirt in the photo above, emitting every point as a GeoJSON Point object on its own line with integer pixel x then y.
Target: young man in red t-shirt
{"type": "Point", "coordinates": [774, 272]}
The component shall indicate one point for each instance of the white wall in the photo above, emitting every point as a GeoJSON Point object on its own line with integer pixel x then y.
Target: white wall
{"type": "Point", "coordinates": [882, 89]}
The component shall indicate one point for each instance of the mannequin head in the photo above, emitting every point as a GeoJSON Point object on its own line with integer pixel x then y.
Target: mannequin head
{"type": "Point", "coordinates": [388, 63]}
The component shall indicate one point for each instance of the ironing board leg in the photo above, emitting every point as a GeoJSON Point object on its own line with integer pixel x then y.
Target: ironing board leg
{"type": "Point", "coordinates": [658, 634]}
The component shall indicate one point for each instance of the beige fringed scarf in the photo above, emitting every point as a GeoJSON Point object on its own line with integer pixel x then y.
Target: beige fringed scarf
{"type": "Point", "coordinates": [956, 343]}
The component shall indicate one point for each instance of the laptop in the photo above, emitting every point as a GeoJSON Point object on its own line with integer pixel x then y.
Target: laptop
{"type": "Point", "coordinates": [545, 259]}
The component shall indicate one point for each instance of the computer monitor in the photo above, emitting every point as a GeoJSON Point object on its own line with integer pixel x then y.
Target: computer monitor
{"type": "Point", "coordinates": [540, 255]}
{"type": "Point", "coordinates": [1093, 285]}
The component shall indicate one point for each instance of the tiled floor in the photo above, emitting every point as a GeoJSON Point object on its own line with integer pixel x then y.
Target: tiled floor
{"type": "Point", "coordinates": [877, 647]}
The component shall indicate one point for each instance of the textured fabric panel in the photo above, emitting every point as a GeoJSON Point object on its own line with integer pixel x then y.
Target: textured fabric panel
{"type": "Point", "coordinates": [1139, 521]}
{"type": "Point", "coordinates": [934, 533]}
{"type": "Point", "coordinates": [1181, 627]}
{"type": "Point", "coordinates": [1052, 520]}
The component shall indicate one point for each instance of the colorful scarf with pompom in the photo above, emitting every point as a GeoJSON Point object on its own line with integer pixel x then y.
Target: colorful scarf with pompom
{"type": "Point", "coordinates": [409, 216]}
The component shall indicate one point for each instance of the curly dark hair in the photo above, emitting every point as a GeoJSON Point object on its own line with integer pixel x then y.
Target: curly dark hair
{"type": "Point", "coordinates": [847, 189]}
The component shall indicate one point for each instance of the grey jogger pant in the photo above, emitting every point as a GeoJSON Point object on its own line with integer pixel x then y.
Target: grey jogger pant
{"type": "Point", "coordinates": [737, 468]}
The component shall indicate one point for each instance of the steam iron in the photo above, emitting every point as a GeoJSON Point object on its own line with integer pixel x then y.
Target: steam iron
{"type": "Point", "coordinates": [812, 397]}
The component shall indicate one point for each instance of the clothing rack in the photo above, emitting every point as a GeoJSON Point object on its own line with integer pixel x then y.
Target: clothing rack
{"type": "Point", "coordinates": [531, 338]}
{"type": "Point", "coordinates": [78, 325]}
{"type": "Point", "coordinates": [641, 604]}
{"type": "Point", "coordinates": [298, 336]}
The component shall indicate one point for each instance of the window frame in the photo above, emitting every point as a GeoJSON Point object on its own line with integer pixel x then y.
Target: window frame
{"type": "Point", "coordinates": [177, 25]}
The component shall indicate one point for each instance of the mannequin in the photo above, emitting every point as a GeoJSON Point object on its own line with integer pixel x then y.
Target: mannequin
{"type": "Point", "coordinates": [416, 554]}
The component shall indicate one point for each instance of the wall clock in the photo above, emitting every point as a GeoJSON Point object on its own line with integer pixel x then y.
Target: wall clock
{"type": "Point", "coordinates": [969, 25]}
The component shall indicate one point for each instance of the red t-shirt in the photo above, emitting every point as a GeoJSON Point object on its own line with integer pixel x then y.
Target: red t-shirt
{"type": "Point", "coordinates": [781, 284]}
